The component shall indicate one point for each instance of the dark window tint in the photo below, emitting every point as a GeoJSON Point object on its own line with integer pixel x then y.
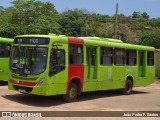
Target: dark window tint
{"type": "Point", "coordinates": [93, 56]}
{"type": "Point", "coordinates": [75, 54]}
{"type": "Point", "coordinates": [150, 58]}
{"type": "Point", "coordinates": [131, 56]}
{"type": "Point", "coordinates": [4, 50]}
{"type": "Point", "coordinates": [106, 56]}
{"type": "Point", "coordinates": [57, 61]}
{"type": "Point", "coordinates": [119, 56]}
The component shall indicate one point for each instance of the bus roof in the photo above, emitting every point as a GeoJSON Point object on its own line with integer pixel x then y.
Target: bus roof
{"type": "Point", "coordinates": [37, 35]}
{"type": "Point", "coordinates": [102, 39]}
{"type": "Point", "coordinates": [95, 41]}
{"type": "Point", "coordinates": [6, 40]}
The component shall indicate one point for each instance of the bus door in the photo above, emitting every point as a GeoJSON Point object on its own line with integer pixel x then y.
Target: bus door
{"type": "Point", "coordinates": [91, 63]}
{"type": "Point", "coordinates": [141, 63]}
{"type": "Point", "coordinates": [57, 71]}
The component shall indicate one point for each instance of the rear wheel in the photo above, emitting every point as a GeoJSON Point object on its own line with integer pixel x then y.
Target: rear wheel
{"type": "Point", "coordinates": [128, 87]}
{"type": "Point", "coordinates": [72, 93]}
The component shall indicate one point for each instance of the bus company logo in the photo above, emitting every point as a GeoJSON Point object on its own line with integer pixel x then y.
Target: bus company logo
{"type": "Point", "coordinates": [6, 114]}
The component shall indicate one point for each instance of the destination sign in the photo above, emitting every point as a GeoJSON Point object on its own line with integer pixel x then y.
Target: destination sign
{"type": "Point", "coordinates": [31, 40]}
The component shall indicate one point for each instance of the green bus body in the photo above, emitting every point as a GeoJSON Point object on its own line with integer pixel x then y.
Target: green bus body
{"type": "Point", "coordinates": [84, 61]}
{"type": "Point", "coordinates": [5, 46]}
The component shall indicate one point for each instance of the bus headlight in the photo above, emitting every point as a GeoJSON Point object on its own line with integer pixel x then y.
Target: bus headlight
{"type": "Point", "coordinates": [41, 82]}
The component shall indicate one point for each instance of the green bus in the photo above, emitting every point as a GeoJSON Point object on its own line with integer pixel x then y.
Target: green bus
{"type": "Point", "coordinates": [5, 47]}
{"type": "Point", "coordinates": [60, 65]}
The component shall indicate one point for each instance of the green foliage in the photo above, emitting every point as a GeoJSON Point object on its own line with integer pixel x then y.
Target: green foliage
{"type": "Point", "coordinates": [37, 17]}
{"type": "Point", "coordinates": [136, 15]}
{"type": "Point", "coordinates": [145, 15]}
{"type": "Point", "coordinates": [43, 25]}
{"type": "Point", "coordinates": [150, 38]}
{"type": "Point", "coordinates": [71, 22]}
{"type": "Point", "coordinates": [139, 15]}
{"type": "Point", "coordinates": [29, 17]}
{"type": "Point", "coordinates": [1, 9]}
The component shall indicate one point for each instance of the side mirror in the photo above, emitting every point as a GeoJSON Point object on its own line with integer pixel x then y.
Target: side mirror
{"type": "Point", "coordinates": [56, 45]}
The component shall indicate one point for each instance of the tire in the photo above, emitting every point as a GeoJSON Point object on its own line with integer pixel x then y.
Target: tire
{"type": "Point", "coordinates": [72, 93]}
{"type": "Point", "coordinates": [128, 87]}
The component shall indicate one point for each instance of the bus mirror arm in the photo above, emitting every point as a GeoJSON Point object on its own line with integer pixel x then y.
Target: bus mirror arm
{"type": "Point", "coordinates": [56, 45]}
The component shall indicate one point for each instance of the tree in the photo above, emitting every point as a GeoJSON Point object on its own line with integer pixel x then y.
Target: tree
{"type": "Point", "coordinates": [145, 15]}
{"type": "Point", "coordinates": [43, 25]}
{"type": "Point", "coordinates": [29, 17]}
{"type": "Point", "coordinates": [140, 15]}
{"type": "Point", "coordinates": [71, 22]}
{"type": "Point", "coordinates": [150, 38]}
{"type": "Point", "coordinates": [1, 9]}
{"type": "Point", "coordinates": [29, 12]}
{"type": "Point", "coordinates": [7, 28]}
{"type": "Point", "coordinates": [136, 15]}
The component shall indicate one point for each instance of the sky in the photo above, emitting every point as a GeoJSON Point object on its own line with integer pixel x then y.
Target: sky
{"type": "Point", "coordinates": [106, 7]}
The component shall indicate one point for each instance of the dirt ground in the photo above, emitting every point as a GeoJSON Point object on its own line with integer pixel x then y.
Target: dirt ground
{"type": "Point", "coordinates": [142, 99]}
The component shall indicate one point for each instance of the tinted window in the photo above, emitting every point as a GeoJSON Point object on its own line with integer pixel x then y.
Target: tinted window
{"type": "Point", "coordinates": [119, 56]}
{"type": "Point", "coordinates": [93, 56]}
{"type": "Point", "coordinates": [150, 58]}
{"type": "Point", "coordinates": [57, 61]}
{"type": "Point", "coordinates": [106, 56]}
{"type": "Point", "coordinates": [28, 60]}
{"type": "Point", "coordinates": [75, 54]}
{"type": "Point", "coordinates": [4, 50]}
{"type": "Point", "coordinates": [131, 56]}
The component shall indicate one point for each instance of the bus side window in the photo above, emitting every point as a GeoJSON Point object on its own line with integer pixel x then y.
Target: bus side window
{"type": "Point", "coordinates": [57, 61]}
{"type": "Point", "coordinates": [75, 54]}
{"type": "Point", "coordinates": [106, 56]}
{"type": "Point", "coordinates": [1, 51]}
{"type": "Point", "coordinates": [150, 58]}
{"type": "Point", "coordinates": [119, 56]}
{"type": "Point", "coordinates": [4, 50]}
{"type": "Point", "coordinates": [131, 57]}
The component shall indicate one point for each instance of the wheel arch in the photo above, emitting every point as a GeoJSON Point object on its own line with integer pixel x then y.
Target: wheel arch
{"type": "Point", "coordinates": [130, 77]}
{"type": "Point", "coordinates": [76, 81]}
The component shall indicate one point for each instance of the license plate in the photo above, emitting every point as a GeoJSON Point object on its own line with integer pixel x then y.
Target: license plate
{"type": "Point", "coordinates": [22, 90]}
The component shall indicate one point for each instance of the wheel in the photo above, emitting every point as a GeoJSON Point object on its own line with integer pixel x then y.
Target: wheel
{"type": "Point", "coordinates": [72, 93]}
{"type": "Point", "coordinates": [128, 87]}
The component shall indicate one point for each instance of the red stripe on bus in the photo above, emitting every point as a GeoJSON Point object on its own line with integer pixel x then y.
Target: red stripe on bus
{"type": "Point", "coordinates": [76, 71]}
{"type": "Point", "coordinates": [24, 83]}
{"type": "Point", "coordinates": [75, 40]}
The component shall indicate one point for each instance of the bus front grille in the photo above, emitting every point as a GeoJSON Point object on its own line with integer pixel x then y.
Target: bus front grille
{"type": "Point", "coordinates": [20, 88]}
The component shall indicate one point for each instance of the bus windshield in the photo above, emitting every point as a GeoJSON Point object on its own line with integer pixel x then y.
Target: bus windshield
{"type": "Point", "coordinates": [28, 60]}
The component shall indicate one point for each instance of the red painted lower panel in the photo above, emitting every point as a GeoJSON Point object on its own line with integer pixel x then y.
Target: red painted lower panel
{"type": "Point", "coordinates": [76, 71]}
{"type": "Point", "coordinates": [24, 83]}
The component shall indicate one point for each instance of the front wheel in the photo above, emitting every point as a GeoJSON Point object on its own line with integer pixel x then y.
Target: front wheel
{"type": "Point", "coordinates": [128, 87]}
{"type": "Point", "coordinates": [72, 93]}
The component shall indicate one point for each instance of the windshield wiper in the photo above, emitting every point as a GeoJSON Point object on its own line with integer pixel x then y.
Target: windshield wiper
{"type": "Point", "coordinates": [23, 73]}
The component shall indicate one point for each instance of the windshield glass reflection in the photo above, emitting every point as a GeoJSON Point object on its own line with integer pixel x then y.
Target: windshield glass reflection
{"type": "Point", "coordinates": [28, 60]}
